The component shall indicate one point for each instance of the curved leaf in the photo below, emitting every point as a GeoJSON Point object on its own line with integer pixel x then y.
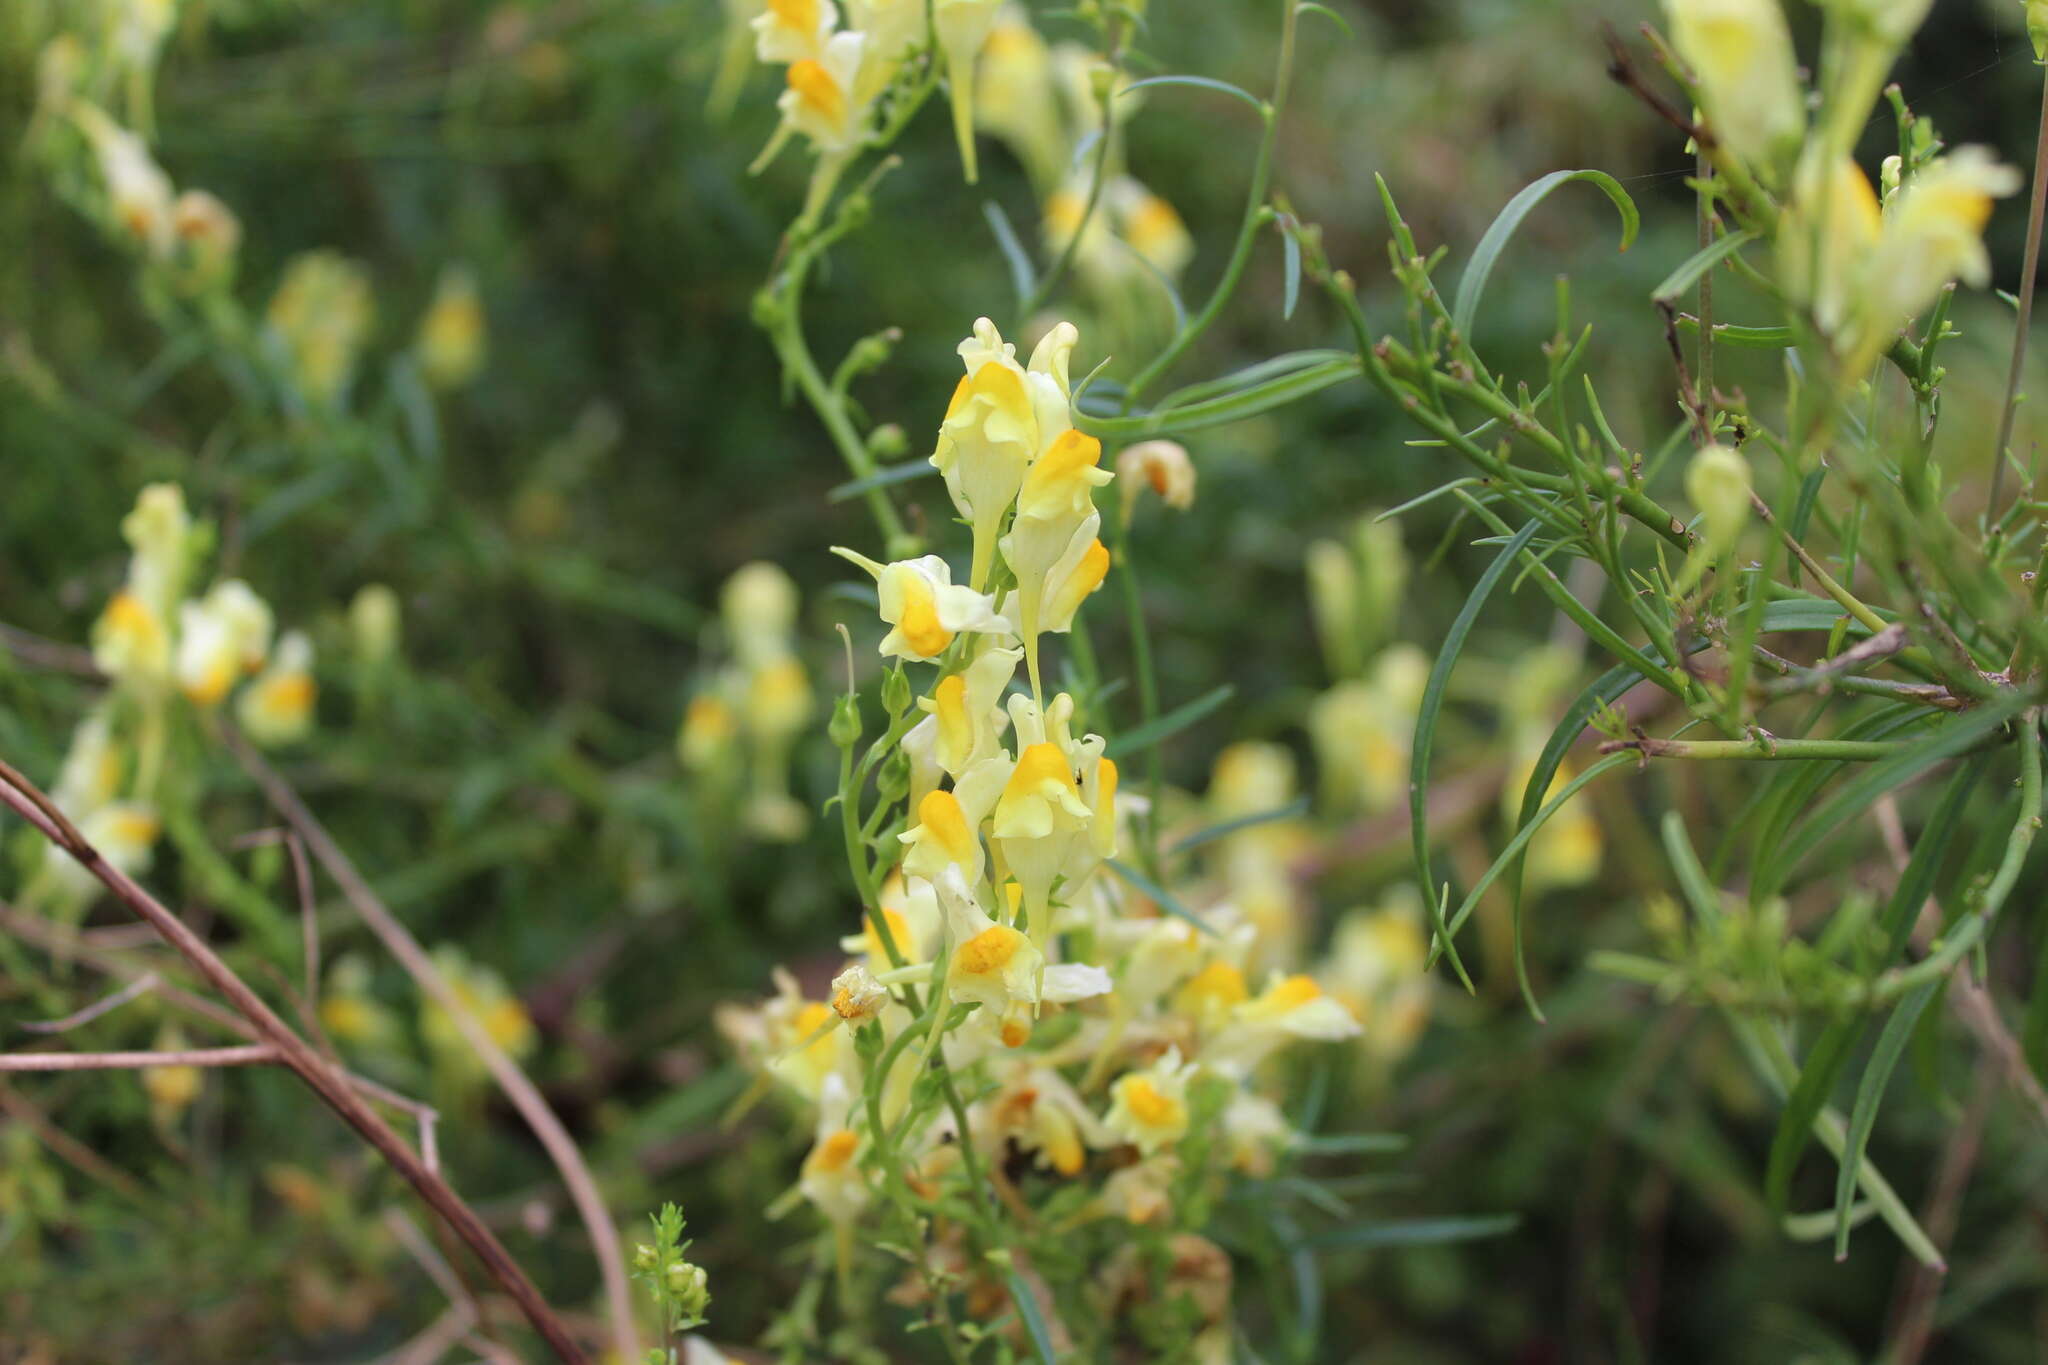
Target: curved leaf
{"type": "Point", "coordinates": [1472, 284]}
{"type": "Point", "coordinates": [1200, 83]}
{"type": "Point", "coordinates": [1432, 705]}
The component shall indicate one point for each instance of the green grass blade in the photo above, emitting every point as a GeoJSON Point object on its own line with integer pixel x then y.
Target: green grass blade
{"type": "Point", "coordinates": [1472, 284]}
{"type": "Point", "coordinates": [1034, 1321]}
{"type": "Point", "coordinates": [1159, 895]}
{"type": "Point", "coordinates": [1869, 1094]}
{"type": "Point", "coordinates": [1415, 1232]}
{"type": "Point", "coordinates": [1172, 723]}
{"type": "Point", "coordinates": [1432, 706]}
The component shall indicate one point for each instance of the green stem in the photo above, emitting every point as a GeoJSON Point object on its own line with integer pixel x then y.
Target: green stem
{"type": "Point", "coordinates": [2028, 275]}
{"type": "Point", "coordinates": [1247, 232]}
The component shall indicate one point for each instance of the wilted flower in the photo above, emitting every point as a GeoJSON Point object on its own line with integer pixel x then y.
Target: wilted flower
{"type": "Point", "coordinates": [1163, 467]}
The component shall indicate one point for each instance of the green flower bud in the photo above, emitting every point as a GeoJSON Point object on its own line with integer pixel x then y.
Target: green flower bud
{"type": "Point", "coordinates": [845, 725]}
{"type": "Point", "coordinates": [896, 691]}
{"type": "Point", "coordinates": [1717, 481]}
{"type": "Point", "coordinates": [2037, 27]}
{"type": "Point", "coordinates": [888, 441]}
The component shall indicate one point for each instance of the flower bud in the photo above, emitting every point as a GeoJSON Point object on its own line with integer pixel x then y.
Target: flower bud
{"type": "Point", "coordinates": [451, 339]}
{"type": "Point", "coordinates": [1717, 481]}
{"type": "Point", "coordinates": [2037, 27]}
{"type": "Point", "coordinates": [896, 691]}
{"type": "Point", "coordinates": [845, 724]}
{"type": "Point", "coordinates": [373, 623]}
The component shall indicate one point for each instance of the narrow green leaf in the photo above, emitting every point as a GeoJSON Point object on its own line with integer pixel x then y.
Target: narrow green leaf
{"type": "Point", "coordinates": [1290, 284]}
{"type": "Point", "coordinates": [1527, 832]}
{"type": "Point", "coordinates": [882, 478]}
{"type": "Point", "coordinates": [1692, 878]}
{"type": "Point", "coordinates": [1472, 284]}
{"type": "Point", "coordinates": [1432, 706]}
{"type": "Point", "coordinates": [1252, 375]}
{"type": "Point", "coordinates": [1698, 264]}
{"type": "Point", "coordinates": [1173, 722]}
{"type": "Point", "coordinates": [1751, 338]}
{"type": "Point", "coordinates": [1034, 1321]}
{"type": "Point", "coordinates": [1290, 811]}
{"type": "Point", "coordinates": [1159, 895]}
{"type": "Point", "coordinates": [1311, 7]}
{"type": "Point", "coordinates": [1817, 1077]}
{"type": "Point", "coordinates": [1023, 275]}
{"type": "Point", "coordinates": [1350, 1144]}
{"type": "Point", "coordinates": [1950, 738]}
{"type": "Point", "coordinates": [1869, 1094]}
{"type": "Point", "coordinates": [1199, 83]}
{"type": "Point", "coordinates": [1413, 1232]}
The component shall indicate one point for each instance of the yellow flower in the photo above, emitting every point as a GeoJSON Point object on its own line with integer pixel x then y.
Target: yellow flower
{"type": "Point", "coordinates": [831, 1177]}
{"type": "Point", "coordinates": [1149, 1108]}
{"type": "Point", "coordinates": [1014, 96]}
{"type": "Point", "coordinates": [1741, 52]}
{"type": "Point", "coordinates": [944, 836]}
{"type": "Point", "coordinates": [277, 708]}
{"type": "Point", "coordinates": [451, 338]}
{"type": "Point", "coordinates": [124, 832]}
{"type": "Point", "coordinates": [320, 317]}
{"type": "Point", "coordinates": [1001, 416]}
{"type": "Point", "coordinates": [1825, 237]}
{"type": "Point", "coordinates": [707, 734]}
{"type": "Point", "coordinates": [92, 768]}
{"type": "Point", "coordinates": [892, 27]}
{"type": "Point", "coordinates": [1151, 227]}
{"type": "Point", "coordinates": [962, 27]}
{"type": "Point", "coordinates": [1039, 1111]}
{"type": "Point", "coordinates": [911, 910]}
{"type": "Point", "coordinates": [1289, 1008]}
{"type": "Point", "coordinates": [926, 609]}
{"type": "Point", "coordinates": [823, 99]}
{"type": "Point", "coordinates": [1254, 1132]}
{"type": "Point", "coordinates": [793, 30]}
{"type": "Point", "coordinates": [1933, 233]}
{"type": "Point", "coordinates": [481, 993]}
{"type": "Point", "coordinates": [130, 641]}
{"type": "Point", "coordinates": [159, 531]}
{"type": "Point", "coordinates": [964, 713]}
{"type": "Point", "coordinates": [1567, 850]}
{"type": "Point", "coordinates": [221, 637]}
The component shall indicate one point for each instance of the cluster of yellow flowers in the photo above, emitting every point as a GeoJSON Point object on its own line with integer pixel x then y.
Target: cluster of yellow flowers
{"type": "Point", "coordinates": [1049, 104]}
{"type": "Point", "coordinates": [157, 642]}
{"type": "Point", "coordinates": [320, 315]}
{"type": "Point", "coordinates": [834, 76]}
{"type": "Point", "coordinates": [1103, 1030]}
{"type": "Point", "coordinates": [1861, 264]}
{"type": "Point", "coordinates": [748, 716]}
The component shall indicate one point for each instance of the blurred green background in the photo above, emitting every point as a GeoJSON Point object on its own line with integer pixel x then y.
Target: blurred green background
{"type": "Point", "coordinates": [557, 532]}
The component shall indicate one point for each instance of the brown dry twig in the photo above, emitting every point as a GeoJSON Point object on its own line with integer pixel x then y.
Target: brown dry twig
{"type": "Point", "coordinates": [524, 1095]}
{"type": "Point", "coordinates": [327, 1080]}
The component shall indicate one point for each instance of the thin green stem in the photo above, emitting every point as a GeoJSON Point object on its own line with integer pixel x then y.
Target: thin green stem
{"type": "Point", "coordinates": [1247, 232]}
{"type": "Point", "coordinates": [2024, 322]}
